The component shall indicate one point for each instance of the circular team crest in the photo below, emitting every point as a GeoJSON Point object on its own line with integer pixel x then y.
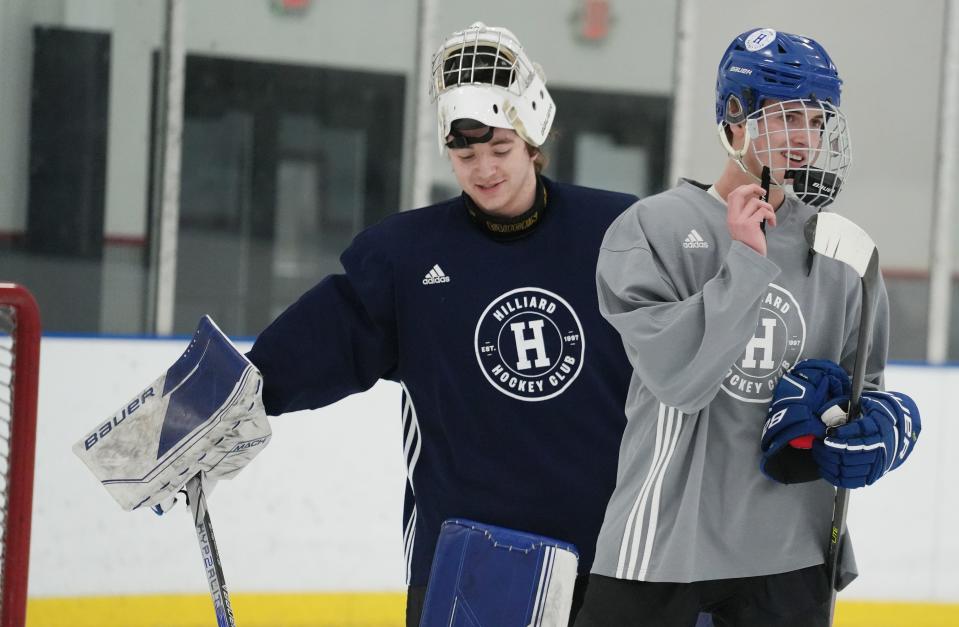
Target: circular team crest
{"type": "Point", "coordinates": [529, 344]}
{"type": "Point", "coordinates": [775, 348]}
{"type": "Point", "coordinates": [759, 39]}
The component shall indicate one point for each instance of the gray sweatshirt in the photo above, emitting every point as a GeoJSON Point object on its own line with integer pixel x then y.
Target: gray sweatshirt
{"type": "Point", "coordinates": [709, 326]}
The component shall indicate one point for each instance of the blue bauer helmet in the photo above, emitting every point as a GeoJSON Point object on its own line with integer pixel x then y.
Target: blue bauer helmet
{"type": "Point", "coordinates": [770, 81]}
{"type": "Point", "coordinates": [765, 64]}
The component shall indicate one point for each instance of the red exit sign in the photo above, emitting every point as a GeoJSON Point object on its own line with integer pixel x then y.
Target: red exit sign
{"type": "Point", "coordinates": [290, 7]}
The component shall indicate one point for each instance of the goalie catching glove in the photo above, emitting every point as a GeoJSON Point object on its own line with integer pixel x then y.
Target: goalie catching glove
{"type": "Point", "coordinates": [205, 414]}
{"type": "Point", "coordinates": [859, 452]}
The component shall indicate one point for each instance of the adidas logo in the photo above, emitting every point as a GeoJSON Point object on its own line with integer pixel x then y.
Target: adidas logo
{"type": "Point", "coordinates": [435, 275]}
{"type": "Point", "coordinates": [695, 240]}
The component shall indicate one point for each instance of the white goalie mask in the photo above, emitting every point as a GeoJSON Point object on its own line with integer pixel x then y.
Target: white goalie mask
{"type": "Point", "coordinates": [805, 144]}
{"type": "Point", "coordinates": [483, 74]}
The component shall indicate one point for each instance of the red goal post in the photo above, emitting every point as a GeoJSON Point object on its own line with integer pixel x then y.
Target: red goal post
{"type": "Point", "coordinates": [19, 376]}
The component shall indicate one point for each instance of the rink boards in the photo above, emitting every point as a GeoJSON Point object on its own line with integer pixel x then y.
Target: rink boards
{"type": "Point", "coordinates": [312, 530]}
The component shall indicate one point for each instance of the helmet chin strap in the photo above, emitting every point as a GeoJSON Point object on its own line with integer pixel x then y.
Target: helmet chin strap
{"type": "Point", "coordinates": [737, 155]}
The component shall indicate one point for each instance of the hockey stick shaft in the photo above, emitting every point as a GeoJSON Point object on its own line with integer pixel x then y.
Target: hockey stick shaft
{"type": "Point", "coordinates": [209, 552]}
{"type": "Point", "coordinates": [764, 183]}
{"type": "Point", "coordinates": [867, 315]}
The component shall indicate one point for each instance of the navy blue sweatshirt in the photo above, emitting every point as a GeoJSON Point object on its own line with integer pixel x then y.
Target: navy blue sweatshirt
{"type": "Point", "coordinates": [514, 385]}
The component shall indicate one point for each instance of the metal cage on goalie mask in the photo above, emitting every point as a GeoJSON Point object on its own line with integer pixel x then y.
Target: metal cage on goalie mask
{"type": "Point", "coordinates": [786, 90]}
{"type": "Point", "coordinates": [483, 74]}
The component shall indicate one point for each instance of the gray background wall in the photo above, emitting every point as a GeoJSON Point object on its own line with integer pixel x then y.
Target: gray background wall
{"type": "Point", "coordinates": [891, 68]}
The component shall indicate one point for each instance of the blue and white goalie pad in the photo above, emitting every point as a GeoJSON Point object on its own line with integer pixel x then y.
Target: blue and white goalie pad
{"type": "Point", "coordinates": [205, 414]}
{"type": "Point", "coordinates": [486, 576]}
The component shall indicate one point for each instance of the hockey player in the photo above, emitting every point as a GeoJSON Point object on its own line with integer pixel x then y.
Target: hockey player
{"type": "Point", "coordinates": [713, 311]}
{"type": "Point", "coordinates": [483, 307]}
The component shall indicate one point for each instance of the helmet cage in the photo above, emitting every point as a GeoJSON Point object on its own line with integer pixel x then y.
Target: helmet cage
{"type": "Point", "coordinates": [804, 142]}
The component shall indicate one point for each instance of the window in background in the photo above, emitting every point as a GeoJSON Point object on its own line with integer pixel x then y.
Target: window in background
{"type": "Point", "coordinates": [282, 166]}
{"type": "Point", "coordinates": [610, 140]}
{"type": "Point", "coordinates": [58, 251]}
{"type": "Point", "coordinates": [909, 315]}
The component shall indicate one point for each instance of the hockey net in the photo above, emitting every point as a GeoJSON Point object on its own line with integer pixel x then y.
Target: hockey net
{"type": "Point", "coordinates": [19, 365]}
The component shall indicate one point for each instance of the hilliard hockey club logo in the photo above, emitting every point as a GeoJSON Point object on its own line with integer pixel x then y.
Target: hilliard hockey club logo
{"type": "Point", "coordinates": [530, 344]}
{"type": "Point", "coordinates": [775, 348]}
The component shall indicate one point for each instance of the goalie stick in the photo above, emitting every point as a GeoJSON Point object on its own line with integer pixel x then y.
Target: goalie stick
{"type": "Point", "coordinates": [836, 237]}
{"type": "Point", "coordinates": [202, 419]}
{"type": "Point", "coordinates": [209, 552]}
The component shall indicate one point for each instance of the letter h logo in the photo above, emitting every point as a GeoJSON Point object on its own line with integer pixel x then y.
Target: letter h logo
{"type": "Point", "coordinates": [523, 345]}
{"type": "Point", "coordinates": [765, 343]}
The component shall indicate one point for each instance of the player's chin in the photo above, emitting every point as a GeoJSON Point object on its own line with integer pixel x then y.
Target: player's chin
{"type": "Point", "coordinates": [780, 167]}
{"type": "Point", "coordinates": [490, 199]}
{"type": "Point", "coordinates": [492, 208]}
{"type": "Point", "coordinates": [780, 174]}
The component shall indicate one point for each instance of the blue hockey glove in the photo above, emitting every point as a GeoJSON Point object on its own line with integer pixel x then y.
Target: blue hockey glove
{"type": "Point", "coordinates": [859, 452]}
{"type": "Point", "coordinates": [793, 419]}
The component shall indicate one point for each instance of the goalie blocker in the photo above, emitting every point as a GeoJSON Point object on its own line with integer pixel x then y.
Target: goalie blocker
{"type": "Point", "coordinates": [487, 576]}
{"type": "Point", "coordinates": [204, 415]}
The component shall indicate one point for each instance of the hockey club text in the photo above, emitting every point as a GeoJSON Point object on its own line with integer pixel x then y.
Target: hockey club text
{"type": "Point", "coordinates": [530, 344]}
{"type": "Point", "coordinates": [775, 347]}
{"type": "Point", "coordinates": [535, 385]}
{"type": "Point", "coordinates": [525, 302]}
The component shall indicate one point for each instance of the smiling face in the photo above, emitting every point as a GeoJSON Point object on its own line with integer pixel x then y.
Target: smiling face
{"type": "Point", "coordinates": [790, 134]}
{"type": "Point", "coordinates": [789, 137]}
{"type": "Point", "coordinates": [499, 175]}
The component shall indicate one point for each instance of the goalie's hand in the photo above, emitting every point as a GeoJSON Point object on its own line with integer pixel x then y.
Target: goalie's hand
{"type": "Point", "coordinates": [204, 415]}
{"type": "Point", "coordinates": [162, 508]}
{"type": "Point", "coordinates": [859, 452]}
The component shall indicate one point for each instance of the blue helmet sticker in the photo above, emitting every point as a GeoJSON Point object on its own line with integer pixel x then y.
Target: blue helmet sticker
{"type": "Point", "coordinates": [760, 39]}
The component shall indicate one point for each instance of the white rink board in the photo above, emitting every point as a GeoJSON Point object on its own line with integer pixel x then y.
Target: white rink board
{"type": "Point", "coordinates": [320, 509]}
